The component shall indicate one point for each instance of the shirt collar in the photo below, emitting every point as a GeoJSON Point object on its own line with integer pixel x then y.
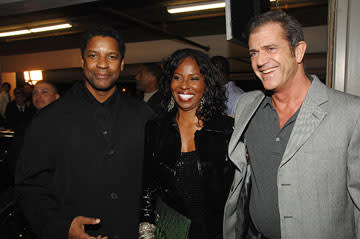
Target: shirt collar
{"type": "Point", "coordinates": [267, 101]}
{"type": "Point", "coordinates": [110, 101]}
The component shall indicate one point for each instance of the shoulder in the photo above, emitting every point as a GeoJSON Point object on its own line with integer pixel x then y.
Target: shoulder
{"type": "Point", "coordinates": [343, 98]}
{"type": "Point", "coordinates": [160, 121]}
{"type": "Point", "coordinates": [136, 106]}
{"type": "Point", "coordinates": [233, 88]}
{"type": "Point", "coordinates": [344, 104]}
{"type": "Point", "coordinates": [248, 98]}
{"type": "Point", "coordinates": [221, 123]}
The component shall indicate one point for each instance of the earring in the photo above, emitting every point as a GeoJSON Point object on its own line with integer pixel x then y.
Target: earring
{"type": "Point", "coordinates": [171, 104]}
{"type": "Point", "coordinates": [202, 102]}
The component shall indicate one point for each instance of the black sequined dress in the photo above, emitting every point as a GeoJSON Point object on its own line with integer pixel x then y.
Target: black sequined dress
{"type": "Point", "coordinates": [189, 186]}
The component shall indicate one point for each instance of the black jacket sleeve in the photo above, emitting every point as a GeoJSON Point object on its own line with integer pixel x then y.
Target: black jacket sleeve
{"type": "Point", "coordinates": [150, 184]}
{"type": "Point", "coordinates": [34, 182]}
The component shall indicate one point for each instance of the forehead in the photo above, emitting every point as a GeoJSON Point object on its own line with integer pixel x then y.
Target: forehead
{"type": "Point", "coordinates": [268, 33]}
{"type": "Point", "coordinates": [103, 43]}
{"type": "Point", "coordinates": [43, 85]}
{"type": "Point", "coordinates": [188, 61]}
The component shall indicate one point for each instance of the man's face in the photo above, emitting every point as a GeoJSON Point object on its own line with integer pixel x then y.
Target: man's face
{"type": "Point", "coordinates": [43, 94]}
{"type": "Point", "coordinates": [19, 97]}
{"type": "Point", "coordinates": [102, 64]}
{"type": "Point", "coordinates": [143, 79]}
{"type": "Point", "coordinates": [271, 57]}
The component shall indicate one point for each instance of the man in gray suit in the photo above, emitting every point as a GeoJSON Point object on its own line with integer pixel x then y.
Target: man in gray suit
{"type": "Point", "coordinates": [296, 146]}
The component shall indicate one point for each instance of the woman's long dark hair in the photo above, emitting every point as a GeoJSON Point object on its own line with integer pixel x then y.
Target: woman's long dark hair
{"type": "Point", "coordinates": [214, 93]}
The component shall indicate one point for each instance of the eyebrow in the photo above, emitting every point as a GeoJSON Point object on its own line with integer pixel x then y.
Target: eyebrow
{"type": "Point", "coordinates": [264, 47]}
{"type": "Point", "coordinates": [95, 51]}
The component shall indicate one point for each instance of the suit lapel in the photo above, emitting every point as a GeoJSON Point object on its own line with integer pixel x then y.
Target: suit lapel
{"type": "Point", "coordinates": [313, 111]}
{"type": "Point", "coordinates": [244, 112]}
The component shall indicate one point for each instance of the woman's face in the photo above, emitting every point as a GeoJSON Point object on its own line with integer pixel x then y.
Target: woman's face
{"type": "Point", "coordinates": [187, 85]}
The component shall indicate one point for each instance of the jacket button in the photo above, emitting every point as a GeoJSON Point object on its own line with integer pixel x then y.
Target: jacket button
{"type": "Point", "coordinates": [114, 196]}
{"type": "Point", "coordinates": [105, 132]}
{"type": "Point", "coordinates": [110, 154]}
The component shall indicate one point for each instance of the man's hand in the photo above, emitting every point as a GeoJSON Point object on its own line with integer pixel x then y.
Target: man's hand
{"type": "Point", "coordinates": [77, 228]}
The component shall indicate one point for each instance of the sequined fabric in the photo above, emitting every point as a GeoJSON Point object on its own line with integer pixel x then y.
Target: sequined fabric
{"type": "Point", "coordinates": [189, 186]}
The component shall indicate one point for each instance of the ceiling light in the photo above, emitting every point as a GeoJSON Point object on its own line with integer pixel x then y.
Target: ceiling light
{"type": "Point", "coordinates": [50, 28]}
{"type": "Point", "coordinates": [33, 76]}
{"type": "Point", "coordinates": [14, 33]}
{"type": "Point", "coordinates": [36, 29]}
{"type": "Point", "coordinates": [196, 7]}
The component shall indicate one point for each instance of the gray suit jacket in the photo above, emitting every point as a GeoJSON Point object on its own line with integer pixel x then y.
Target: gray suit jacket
{"type": "Point", "coordinates": [319, 175]}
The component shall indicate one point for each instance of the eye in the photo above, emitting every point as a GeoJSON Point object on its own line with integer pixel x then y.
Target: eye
{"type": "Point", "coordinates": [195, 78]}
{"type": "Point", "coordinates": [113, 57]}
{"type": "Point", "coordinates": [252, 53]}
{"type": "Point", "coordinates": [176, 77]}
{"type": "Point", "coordinates": [91, 55]}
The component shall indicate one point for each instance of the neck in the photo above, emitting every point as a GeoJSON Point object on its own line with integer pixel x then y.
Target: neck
{"type": "Point", "coordinates": [293, 93]}
{"type": "Point", "coordinates": [151, 89]}
{"type": "Point", "coordinates": [100, 96]}
{"type": "Point", "coordinates": [188, 118]}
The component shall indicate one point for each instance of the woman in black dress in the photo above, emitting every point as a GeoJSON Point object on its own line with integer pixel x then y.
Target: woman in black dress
{"type": "Point", "coordinates": [186, 149]}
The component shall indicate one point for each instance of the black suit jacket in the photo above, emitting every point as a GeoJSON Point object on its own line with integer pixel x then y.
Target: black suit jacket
{"type": "Point", "coordinates": [81, 159]}
{"type": "Point", "coordinates": [155, 103]}
{"type": "Point", "coordinates": [16, 119]}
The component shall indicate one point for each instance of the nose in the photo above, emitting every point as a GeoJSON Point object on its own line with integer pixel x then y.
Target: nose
{"type": "Point", "coordinates": [184, 84]}
{"type": "Point", "coordinates": [261, 59]}
{"type": "Point", "coordinates": [102, 62]}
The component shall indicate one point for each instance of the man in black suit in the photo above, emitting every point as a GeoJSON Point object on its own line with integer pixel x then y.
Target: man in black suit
{"type": "Point", "coordinates": [147, 82]}
{"type": "Point", "coordinates": [79, 171]}
{"type": "Point", "coordinates": [17, 113]}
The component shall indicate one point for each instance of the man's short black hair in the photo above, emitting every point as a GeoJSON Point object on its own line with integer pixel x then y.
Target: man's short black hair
{"type": "Point", "coordinates": [54, 87]}
{"type": "Point", "coordinates": [5, 84]}
{"type": "Point", "coordinates": [221, 64]}
{"type": "Point", "coordinates": [19, 91]}
{"type": "Point", "coordinates": [103, 31]}
{"type": "Point", "coordinates": [154, 69]}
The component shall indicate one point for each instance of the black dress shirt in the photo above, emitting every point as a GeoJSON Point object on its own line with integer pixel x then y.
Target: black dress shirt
{"type": "Point", "coordinates": [84, 158]}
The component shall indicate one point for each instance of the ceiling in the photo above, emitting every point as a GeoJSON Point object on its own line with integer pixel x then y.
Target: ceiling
{"type": "Point", "coordinates": [141, 21]}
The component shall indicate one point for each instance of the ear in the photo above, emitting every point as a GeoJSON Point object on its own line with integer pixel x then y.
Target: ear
{"type": "Point", "coordinates": [82, 62]}
{"type": "Point", "coordinates": [57, 96]}
{"type": "Point", "coordinates": [300, 50]}
{"type": "Point", "coordinates": [122, 64]}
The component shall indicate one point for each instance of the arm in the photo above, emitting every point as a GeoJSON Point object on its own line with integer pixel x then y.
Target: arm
{"type": "Point", "coordinates": [149, 175]}
{"type": "Point", "coordinates": [354, 175]}
{"type": "Point", "coordinates": [34, 183]}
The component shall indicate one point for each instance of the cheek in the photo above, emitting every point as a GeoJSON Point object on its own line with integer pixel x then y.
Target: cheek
{"type": "Point", "coordinates": [173, 85]}
{"type": "Point", "coordinates": [200, 87]}
{"type": "Point", "coordinates": [253, 65]}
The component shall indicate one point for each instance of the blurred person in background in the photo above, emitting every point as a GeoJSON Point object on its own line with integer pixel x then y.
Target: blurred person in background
{"type": "Point", "coordinates": [232, 91]}
{"type": "Point", "coordinates": [18, 114]}
{"type": "Point", "coordinates": [43, 94]}
{"type": "Point", "coordinates": [4, 98]}
{"type": "Point", "coordinates": [147, 81]}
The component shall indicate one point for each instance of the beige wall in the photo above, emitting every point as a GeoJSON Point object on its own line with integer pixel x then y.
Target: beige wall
{"type": "Point", "coordinates": [41, 61]}
{"type": "Point", "coordinates": [149, 51]}
{"type": "Point", "coordinates": [9, 77]}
